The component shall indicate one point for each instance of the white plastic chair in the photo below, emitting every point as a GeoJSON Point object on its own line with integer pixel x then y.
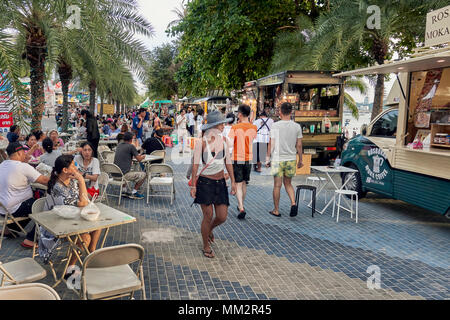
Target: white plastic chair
{"type": "Point", "coordinates": [158, 169]}
{"type": "Point", "coordinates": [103, 182]}
{"type": "Point", "coordinates": [108, 156]}
{"type": "Point", "coordinates": [30, 291]}
{"type": "Point", "coordinates": [352, 194]}
{"type": "Point", "coordinates": [107, 273]}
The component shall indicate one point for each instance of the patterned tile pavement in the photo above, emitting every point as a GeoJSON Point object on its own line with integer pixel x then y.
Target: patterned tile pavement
{"type": "Point", "coordinates": [265, 257]}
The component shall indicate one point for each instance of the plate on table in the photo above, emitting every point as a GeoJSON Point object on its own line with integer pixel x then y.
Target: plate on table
{"type": "Point", "coordinates": [67, 212]}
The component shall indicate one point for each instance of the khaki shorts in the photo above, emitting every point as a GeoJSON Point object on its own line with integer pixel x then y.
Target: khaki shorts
{"type": "Point", "coordinates": [286, 169]}
{"type": "Point", "coordinates": [135, 176]}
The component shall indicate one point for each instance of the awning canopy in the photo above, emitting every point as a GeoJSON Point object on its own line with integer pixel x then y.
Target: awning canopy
{"type": "Point", "coordinates": [426, 62]}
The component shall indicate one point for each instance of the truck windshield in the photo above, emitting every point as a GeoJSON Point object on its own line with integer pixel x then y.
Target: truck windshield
{"type": "Point", "coordinates": [316, 97]}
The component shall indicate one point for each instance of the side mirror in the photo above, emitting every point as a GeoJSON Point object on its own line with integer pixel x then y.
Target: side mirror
{"type": "Point", "coordinates": [364, 129]}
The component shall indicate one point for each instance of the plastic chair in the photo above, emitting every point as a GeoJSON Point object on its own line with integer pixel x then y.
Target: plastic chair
{"type": "Point", "coordinates": [8, 218]}
{"type": "Point", "coordinates": [31, 291]}
{"type": "Point", "coordinates": [159, 153]}
{"type": "Point", "coordinates": [21, 271]}
{"type": "Point", "coordinates": [158, 169]}
{"type": "Point", "coordinates": [107, 274]}
{"type": "Point", "coordinates": [352, 194]}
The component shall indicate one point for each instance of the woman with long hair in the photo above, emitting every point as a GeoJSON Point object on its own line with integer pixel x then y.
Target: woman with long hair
{"type": "Point", "coordinates": [89, 167]}
{"type": "Point", "coordinates": [93, 134]}
{"type": "Point", "coordinates": [209, 188]}
{"type": "Point", "coordinates": [67, 187]}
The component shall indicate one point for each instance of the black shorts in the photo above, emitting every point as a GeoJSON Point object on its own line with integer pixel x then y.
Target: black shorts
{"type": "Point", "coordinates": [211, 192]}
{"type": "Point", "coordinates": [242, 171]}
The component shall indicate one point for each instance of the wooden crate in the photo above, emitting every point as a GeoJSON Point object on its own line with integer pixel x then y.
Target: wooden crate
{"type": "Point", "coordinates": [306, 170]}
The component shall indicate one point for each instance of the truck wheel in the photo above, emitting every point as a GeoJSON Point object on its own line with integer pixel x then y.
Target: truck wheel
{"type": "Point", "coordinates": [355, 184]}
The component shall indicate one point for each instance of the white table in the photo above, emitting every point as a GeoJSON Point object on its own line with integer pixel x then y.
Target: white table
{"type": "Point", "coordinates": [330, 173]}
{"type": "Point", "coordinates": [74, 228]}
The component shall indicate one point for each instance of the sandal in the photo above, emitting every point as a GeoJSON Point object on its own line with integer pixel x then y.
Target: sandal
{"type": "Point", "coordinates": [209, 255]}
{"type": "Point", "coordinates": [27, 246]}
{"type": "Point", "coordinates": [276, 215]}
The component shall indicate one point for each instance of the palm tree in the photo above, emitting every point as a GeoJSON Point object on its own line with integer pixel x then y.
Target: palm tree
{"type": "Point", "coordinates": [343, 37]}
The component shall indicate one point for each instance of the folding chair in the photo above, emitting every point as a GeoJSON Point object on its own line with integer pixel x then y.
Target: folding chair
{"type": "Point", "coordinates": [103, 182]}
{"type": "Point", "coordinates": [8, 219]}
{"type": "Point", "coordinates": [107, 274]}
{"type": "Point", "coordinates": [21, 271]}
{"type": "Point", "coordinates": [116, 178]}
{"type": "Point", "coordinates": [159, 153]}
{"type": "Point", "coordinates": [108, 156]}
{"type": "Point", "coordinates": [158, 169]}
{"type": "Point", "coordinates": [30, 291]}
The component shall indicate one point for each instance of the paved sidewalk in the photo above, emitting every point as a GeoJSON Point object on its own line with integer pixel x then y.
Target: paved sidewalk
{"type": "Point", "coordinates": [264, 257]}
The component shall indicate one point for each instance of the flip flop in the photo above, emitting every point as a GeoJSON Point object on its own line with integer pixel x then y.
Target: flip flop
{"type": "Point", "coordinates": [208, 254]}
{"type": "Point", "coordinates": [276, 215]}
{"type": "Point", "coordinates": [27, 246]}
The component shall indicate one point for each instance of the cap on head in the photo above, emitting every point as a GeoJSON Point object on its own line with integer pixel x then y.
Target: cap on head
{"type": "Point", "coordinates": [13, 148]}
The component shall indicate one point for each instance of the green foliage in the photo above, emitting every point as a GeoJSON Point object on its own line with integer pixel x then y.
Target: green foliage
{"type": "Point", "coordinates": [161, 72]}
{"type": "Point", "coordinates": [225, 43]}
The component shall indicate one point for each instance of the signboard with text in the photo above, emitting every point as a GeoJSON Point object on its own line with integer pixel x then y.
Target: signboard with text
{"type": "Point", "coordinates": [438, 27]}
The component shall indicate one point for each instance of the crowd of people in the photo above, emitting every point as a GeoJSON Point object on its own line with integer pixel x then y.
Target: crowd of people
{"type": "Point", "coordinates": [226, 148]}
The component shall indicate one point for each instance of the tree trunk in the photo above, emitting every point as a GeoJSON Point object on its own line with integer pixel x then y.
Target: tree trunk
{"type": "Point", "coordinates": [379, 50]}
{"type": "Point", "coordinates": [117, 107]}
{"type": "Point", "coordinates": [36, 53]}
{"type": "Point", "coordinates": [65, 75]}
{"type": "Point", "coordinates": [101, 106]}
{"type": "Point", "coordinates": [92, 97]}
{"type": "Point", "coordinates": [379, 96]}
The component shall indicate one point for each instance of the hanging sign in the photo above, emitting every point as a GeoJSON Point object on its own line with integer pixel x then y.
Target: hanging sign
{"type": "Point", "coordinates": [438, 27]}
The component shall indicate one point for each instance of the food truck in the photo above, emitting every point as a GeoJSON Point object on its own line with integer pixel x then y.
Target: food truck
{"type": "Point", "coordinates": [318, 100]}
{"type": "Point", "coordinates": [213, 103]}
{"type": "Point", "coordinates": [404, 153]}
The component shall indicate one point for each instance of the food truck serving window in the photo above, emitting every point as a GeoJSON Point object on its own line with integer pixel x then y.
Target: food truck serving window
{"type": "Point", "coordinates": [316, 97]}
{"type": "Point", "coordinates": [429, 104]}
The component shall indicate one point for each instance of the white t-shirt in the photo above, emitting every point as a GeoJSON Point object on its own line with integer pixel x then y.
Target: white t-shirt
{"type": "Point", "coordinates": [15, 180]}
{"type": "Point", "coordinates": [50, 158]}
{"type": "Point", "coordinates": [91, 169]}
{"type": "Point", "coordinates": [263, 135]}
{"type": "Point", "coordinates": [284, 136]}
{"type": "Point", "coordinates": [191, 119]}
{"type": "Point", "coordinates": [199, 122]}
{"type": "Point", "coordinates": [182, 125]}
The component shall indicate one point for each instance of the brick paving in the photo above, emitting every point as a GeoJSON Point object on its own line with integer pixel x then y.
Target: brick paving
{"type": "Point", "coordinates": [264, 257]}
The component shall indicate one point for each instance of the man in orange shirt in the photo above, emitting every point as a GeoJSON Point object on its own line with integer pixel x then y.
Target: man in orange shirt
{"type": "Point", "coordinates": [242, 135]}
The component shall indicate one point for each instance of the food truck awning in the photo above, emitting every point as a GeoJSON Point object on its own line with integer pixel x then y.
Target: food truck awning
{"type": "Point", "coordinates": [430, 61]}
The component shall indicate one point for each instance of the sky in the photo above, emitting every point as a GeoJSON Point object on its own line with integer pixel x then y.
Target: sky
{"type": "Point", "coordinates": [159, 14]}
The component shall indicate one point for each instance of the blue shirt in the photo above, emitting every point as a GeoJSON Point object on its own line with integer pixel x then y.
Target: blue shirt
{"type": "Point", "coordinates": [140, 131]}
{"type": "Point", "coordinates": [12, 137]}
{"type": "Point", "coordinates": [106, 130]}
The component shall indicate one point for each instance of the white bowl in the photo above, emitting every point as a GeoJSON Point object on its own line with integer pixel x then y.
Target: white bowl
{"type": "Point", "coordinates": [67, 212]}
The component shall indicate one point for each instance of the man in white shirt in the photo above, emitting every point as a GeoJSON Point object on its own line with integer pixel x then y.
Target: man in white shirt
{"type": "Point", "coordinates": [191, 121]}
{"type": "Point", "coordinates": [264, 125]}
{"type": "Point", "coordinates": [285, 143]}
{"type": "Point", "coordinates": [16, 194]}
{"type": "Point", "coordinates": [182, 131]}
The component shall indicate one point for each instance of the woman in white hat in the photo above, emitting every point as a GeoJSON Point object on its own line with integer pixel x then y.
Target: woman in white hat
{"type": "Point", "coordinates": [209, 188]}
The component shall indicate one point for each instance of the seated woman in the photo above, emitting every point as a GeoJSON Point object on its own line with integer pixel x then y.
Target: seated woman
{"type": "Point", "coordinates": [66, 187]}
{"type": "Point", "coordinates": [89, 167]}
{"type": "Point", "coordinates": [56, 139]}
{"type": "Point", "coordinates": [32, 148]}
{"type": "Point", "coordinates": [52, 152]}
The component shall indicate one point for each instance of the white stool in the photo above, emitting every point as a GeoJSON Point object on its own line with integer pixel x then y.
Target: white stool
{"type": "Point", "coordinates": [315, 182]}
{"type": "Point", "coordinates": [348, 193]}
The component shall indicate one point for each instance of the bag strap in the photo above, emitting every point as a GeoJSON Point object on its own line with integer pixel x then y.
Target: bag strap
{"type": "Point", "coordinates": [264, 124]}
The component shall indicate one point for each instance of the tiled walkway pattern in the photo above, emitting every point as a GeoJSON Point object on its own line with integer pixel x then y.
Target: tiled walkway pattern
{"type": "Point", "coordinates": [265, 257]}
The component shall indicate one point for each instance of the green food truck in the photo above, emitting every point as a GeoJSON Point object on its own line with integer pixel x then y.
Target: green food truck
{"type": "Point", "coordinates": [404, 153]}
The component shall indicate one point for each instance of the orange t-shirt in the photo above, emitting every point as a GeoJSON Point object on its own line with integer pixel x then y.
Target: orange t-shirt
{"type": "Point", "coordinates": [242, 136]}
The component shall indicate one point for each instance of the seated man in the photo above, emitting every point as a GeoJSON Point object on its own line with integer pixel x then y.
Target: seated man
{"type": "Point", "coordinates": [16, 194]}
{"type": "Point", "coordinates": [123, 158]}
{"type": "Point", "coordinates": [154, 143]}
